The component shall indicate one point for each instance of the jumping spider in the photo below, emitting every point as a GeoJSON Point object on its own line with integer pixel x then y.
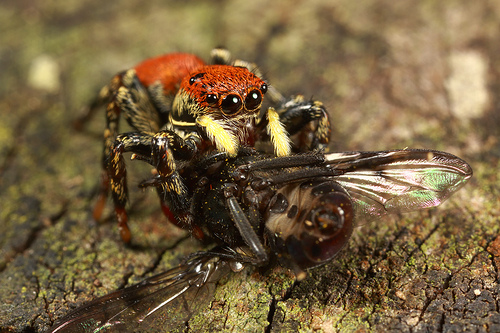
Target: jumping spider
{"type": "Point", "coordinates": [180, 107]}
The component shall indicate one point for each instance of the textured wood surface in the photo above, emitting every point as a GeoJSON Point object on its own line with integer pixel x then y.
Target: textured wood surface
{"type": "Point", "coordinates": [393, 74]}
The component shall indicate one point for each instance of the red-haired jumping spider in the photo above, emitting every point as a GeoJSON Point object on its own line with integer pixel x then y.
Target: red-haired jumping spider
{"type": "Point", "coordinates": [180, 107]}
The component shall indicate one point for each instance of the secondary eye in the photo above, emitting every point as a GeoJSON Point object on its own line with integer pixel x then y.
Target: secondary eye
{"type": "Point", "coordinates": [263, 88]}
{"type": "Point", "coordinates": [194, 78]}
{"type": "Point", "coordinates": [253, 100]}
{"type": "Point", "coordinates": [231, 104]}
{"type": "Point", "coordinates": [212, 99]}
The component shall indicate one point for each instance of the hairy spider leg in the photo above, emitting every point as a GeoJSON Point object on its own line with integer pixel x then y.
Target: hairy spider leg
{"type": "Point", "coordinates": [310, 119]}
{"type": "Point", "coordinates": [138, 112]}
{"type": "Point", "coordinates": [142, 93]}
{"type": "Point", "coordinates": [160, 150]}
{"type": "Point", "coordinates": [111, 131]}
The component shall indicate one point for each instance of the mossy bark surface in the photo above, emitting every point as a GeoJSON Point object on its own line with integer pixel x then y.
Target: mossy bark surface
{"type": "Point", "coordinates": [392, 74]}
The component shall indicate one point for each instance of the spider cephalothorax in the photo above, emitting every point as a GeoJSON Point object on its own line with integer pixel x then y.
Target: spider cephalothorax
{"type": "Point", "coordinates": [225, 102]}
{"type": "Point", "coordinates": [180, 107]}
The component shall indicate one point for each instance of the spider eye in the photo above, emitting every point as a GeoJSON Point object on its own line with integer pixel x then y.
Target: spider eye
{"type": "Point", "coordinates": [196, 77]}
{"type": "Point", "coordinates": [231, 104]}
{"type": "Point", "coordinates": [263, 88]}
{"type": "Point", "coordinates": [212, 99]}
{"type": "Point", "coordinates": [253, 100]}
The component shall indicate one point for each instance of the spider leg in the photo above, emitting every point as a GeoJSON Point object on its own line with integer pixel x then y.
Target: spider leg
{"type": "Point", "coordinates": [166, 148]}
{"type": "Point", "coordinates": [116, 175]}
{"type": "Point", "coordinates": [310, 119]}
{"type": "Point", "coordinates": [124, 94]}
{"type": "Point", "coordinates": [159, 150]}
{"type": "Point", "coordinates": [220, 56]}
{"type": "Point", "coordinates": [89, 112]}
{"type": "Point", "coordinates": [277, 133]}
{"type": "Point", "coordinates": [110, 132]}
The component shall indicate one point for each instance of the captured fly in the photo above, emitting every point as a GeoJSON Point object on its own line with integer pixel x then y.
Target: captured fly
{"type": "Point", "coordinates": [298, 210]}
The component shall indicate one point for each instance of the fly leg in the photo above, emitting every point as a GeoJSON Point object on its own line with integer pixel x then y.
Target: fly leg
{"type": "Point", "coordinates": [244, 227]}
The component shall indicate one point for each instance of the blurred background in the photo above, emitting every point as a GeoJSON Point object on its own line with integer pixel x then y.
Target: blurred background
{"type": "Point", "coordinates": [392, 75]}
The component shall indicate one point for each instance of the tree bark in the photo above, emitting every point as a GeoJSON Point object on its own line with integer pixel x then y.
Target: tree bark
{"type": "Point", "coordinates": [392, 75]}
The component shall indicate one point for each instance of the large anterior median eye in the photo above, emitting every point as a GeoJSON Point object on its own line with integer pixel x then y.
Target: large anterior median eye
{"type": "Point", "coordinates": [231, 104]}
{"type": "Point", "coordinates": [253, 100]}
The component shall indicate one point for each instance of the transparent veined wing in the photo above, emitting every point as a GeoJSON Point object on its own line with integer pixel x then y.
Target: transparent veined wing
{"type": "Point", "coordinates": [385, 182]}
{"type": "Point", "coordinates": [162, 303]}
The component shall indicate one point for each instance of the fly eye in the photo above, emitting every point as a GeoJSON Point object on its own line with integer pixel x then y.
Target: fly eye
{"type": "Point", "coordinates": [211, 99]}
{"type": "Point", "coordinates": [263, 88]}
{"type": "Point", "coordinates": [253, 100]}
{"type": "Point", "coordinates": [231, 104]}
{"type": "Point", "coordinates": [325, 227]}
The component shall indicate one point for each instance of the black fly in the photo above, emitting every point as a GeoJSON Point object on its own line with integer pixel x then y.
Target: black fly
{"type": "Point", "coordinates": [299, 210]}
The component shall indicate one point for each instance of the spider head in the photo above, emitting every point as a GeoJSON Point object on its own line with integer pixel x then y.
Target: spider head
{"type": "Point", "coordinates": [224, 101]}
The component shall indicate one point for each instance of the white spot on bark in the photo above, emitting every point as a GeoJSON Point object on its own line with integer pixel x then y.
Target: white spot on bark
{"type": "Point", "coordinates": [467, 84]}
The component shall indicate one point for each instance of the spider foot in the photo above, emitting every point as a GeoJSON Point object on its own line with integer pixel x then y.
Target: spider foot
{"type": "Point", "coordinates": [101, 197]}
{"type": "Point", "coordinates": [121, 216]}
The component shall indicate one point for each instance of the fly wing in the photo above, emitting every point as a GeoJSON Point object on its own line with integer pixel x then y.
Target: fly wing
{"type": "Point", "coordinates": [161, 303]}
{"type": "Point", "coordinates": [385, 182]}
